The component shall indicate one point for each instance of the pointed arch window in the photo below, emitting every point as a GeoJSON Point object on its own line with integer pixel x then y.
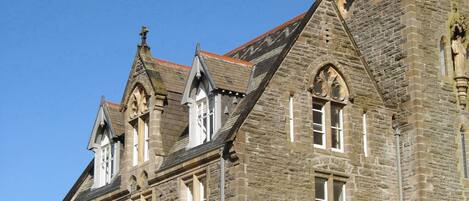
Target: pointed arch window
{"type": "Point", "coordinates": [139, 119]}
{"type": "Point", "coordinates": [442, 48]}
{"type": "Point", "coordinates": [330, 95]}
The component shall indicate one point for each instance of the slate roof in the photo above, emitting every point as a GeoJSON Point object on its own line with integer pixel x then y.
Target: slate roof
{"type": "Point", "coordinates": [267, 57]}
{"type": "Point", "coordinates": [227, 73]}
{"type": "Point", "coordinates": [266, 52]}
{"type": "Point", "coordinates": [116, 117]}
{"type": "Point", "coordinates": [173, 75]}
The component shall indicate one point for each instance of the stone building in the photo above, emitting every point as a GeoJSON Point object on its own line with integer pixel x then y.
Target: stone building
{"type": "Point", "coordinates": [352, 100]}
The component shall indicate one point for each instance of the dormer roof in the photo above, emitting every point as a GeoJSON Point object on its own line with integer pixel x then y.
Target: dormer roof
{"type": "Point", "coordinates": [110, 116]}
{"type": "Point", "coordinates": [228, 73]}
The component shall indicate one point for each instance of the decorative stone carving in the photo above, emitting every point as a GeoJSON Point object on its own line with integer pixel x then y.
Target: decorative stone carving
{"type": "Point", "coordinates": [329, 84]}
{"type": "Point", "coordinates": [139, 102]}
{"type": "Point", "coordinates": [458, 46]}
{"type": "Point", "coordinates": [459, 53]}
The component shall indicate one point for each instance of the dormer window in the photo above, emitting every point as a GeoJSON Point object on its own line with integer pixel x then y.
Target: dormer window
{"type": "Point", "coordinates": [106, 157]}
{"type": "Point", "coordinates": [205, 111]}
{"type": "Point", "coordinates": [201, 117]}
{"type": "Point", "coordinates": [105, 145]}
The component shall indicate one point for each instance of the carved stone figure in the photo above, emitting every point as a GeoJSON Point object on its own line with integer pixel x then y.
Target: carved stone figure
{"type": "Point", "coordinates": [459, 52]}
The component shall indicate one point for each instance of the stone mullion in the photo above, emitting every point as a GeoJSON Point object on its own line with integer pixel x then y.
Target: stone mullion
{"type": "Point", "coordinates": [330, 188]}
{"type": "Point", "coordinates": [141, 139]}
{"type": "Point", "coordinates": [327, 124]}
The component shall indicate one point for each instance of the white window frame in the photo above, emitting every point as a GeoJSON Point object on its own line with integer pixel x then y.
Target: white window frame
{"type": "Point", "coordinates": [365, 134]}
{"type": "Point", "coordinates": [203, 108]}
{"type": "Point", "coordinates": [135, 146]}
{"type": "Point", "coordinates": [340, 128]}
{"type": "Point", "coordinates": [146, 153]}
{"type": "Point", "coordinates": [290, 118]}
{"type": "Point", "coordinates": [326, 190]}
{"type": "Point", "coordinates": [323, 126]}
{"type": "Point", "coordinates": [343, 190]}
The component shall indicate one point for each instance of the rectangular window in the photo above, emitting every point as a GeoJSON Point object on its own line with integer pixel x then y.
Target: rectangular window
{"type": "Point", "coordinates": [320, 189]}
{"type": "Point", "coordinates": [319, 126]}
{"type": "Point", "coordinates": [135, 147]}
{"type": "Point", "coordinates": [290, 118]}
{"type": "Point", "coordinates": [336, 128]}
{"type": "Point", "coordinates": [194, 189]}
{"type": "Point", "coordinates": [328, 188]}
{"type": "Point", "coordinates": [339, 191]}
{"type": "Point", "coordinates": [146, 154]}
{"type": "Point", "coordinates": [365, 135]}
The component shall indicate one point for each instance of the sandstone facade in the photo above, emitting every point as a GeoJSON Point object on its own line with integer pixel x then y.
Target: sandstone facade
{"type": "Point", "coordinates": [394, 66]}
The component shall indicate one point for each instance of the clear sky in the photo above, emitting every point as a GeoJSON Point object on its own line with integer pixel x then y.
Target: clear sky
{"type": "Point", "coordinates": [57, 58]}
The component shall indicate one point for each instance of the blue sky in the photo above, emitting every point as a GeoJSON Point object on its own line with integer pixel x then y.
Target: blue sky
{"type": "Point", "coordinates": [57, 58]}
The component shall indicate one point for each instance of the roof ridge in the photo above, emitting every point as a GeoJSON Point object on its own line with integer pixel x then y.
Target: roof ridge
{"type": "Point", "coordinates": [169, 63]}
{"type": "Point", "coordinates": [289, 22]}
{"type": "Point", "coordinates": [227, 58]}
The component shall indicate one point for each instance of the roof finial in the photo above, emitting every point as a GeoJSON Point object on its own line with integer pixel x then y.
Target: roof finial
{"type": "Point", "coordinates": [197, 48]}
{"type": "Point", "coordinates": [143, 36]}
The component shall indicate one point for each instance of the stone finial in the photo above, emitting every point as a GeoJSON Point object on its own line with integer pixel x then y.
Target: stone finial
{"type": "Point", "coordinates": [143, 36]}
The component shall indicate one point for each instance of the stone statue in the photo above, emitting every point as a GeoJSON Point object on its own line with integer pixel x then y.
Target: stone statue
{"type": "Point", "coordinates": [459, 52]}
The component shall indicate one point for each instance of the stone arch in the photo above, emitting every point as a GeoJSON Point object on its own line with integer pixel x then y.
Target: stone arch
{"type": "Point", "coordinates": [327, 82]}
{"type": "Point", "coordinates": [317, 65]}
{"type": "Point", "coordinates": [144, 178]}
{"type": "Point", "coordinates": [133, 186]}
{"type": "Point", "coordinates": [138, 101]}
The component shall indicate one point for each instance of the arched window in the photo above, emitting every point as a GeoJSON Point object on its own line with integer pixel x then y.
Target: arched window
{"type": "Point", "coordinates": [139, 119]}
{"type": "Point", "coordinates": [443, 68]}
{"type": "Point", "coordinates": [330, 95]}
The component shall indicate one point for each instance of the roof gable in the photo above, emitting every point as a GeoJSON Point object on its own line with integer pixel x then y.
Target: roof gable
{"type": "Point", "coordinates": [109, 115]}
{"type": "Point", "coordinates": [247, 104]}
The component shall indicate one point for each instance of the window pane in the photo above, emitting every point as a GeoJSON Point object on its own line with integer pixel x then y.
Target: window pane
{"type": "Point", "coordinates": [317, 106]}
{"type": "Point", "coordinates": [317, 127]}
{"type": "Point", "coordinates": [317, 117]}
{"type": "Point", "coordinates": [318, 138]}
{"type": "Point", "coordinates": [320, 189]}
{"type": "Point", "coordinates": [335, 138]}
{"type": "Point", "coordinates": [335, 116]}
{"type": "Point", "coordinates": [339, 194]}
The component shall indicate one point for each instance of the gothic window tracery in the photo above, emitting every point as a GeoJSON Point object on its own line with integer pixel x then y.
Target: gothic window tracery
{"type": "Point", "coordinates": [329, 98]}
{"type": "Point", "coordinates": [139, 119]}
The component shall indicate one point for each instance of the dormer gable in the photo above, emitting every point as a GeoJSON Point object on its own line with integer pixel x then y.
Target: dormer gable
{"type": "Point", "coordinates": [213, 82]}
{"type": "Point", "coordinates": [105, 143]}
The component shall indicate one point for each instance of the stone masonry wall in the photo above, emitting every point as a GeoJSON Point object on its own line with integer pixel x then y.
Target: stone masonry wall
{"type": "Point", "coordinates": [277, 169]}
{"type": "Point", "coordinates": [400, 40]}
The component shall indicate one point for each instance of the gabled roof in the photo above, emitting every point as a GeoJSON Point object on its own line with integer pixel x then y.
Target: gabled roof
{"type": "Point", "coordinates": [266, 42]}
{"type": "Point", "coordinates": [108, 114]}
{"type": "Point", "coordinates": [76, 186]}
{"type": "Point", "coordinates": [228, 73]}
{"type": "Point", "coordinates": [172, 74]}
{"type": "Point", "coordinates": [282, 39]}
